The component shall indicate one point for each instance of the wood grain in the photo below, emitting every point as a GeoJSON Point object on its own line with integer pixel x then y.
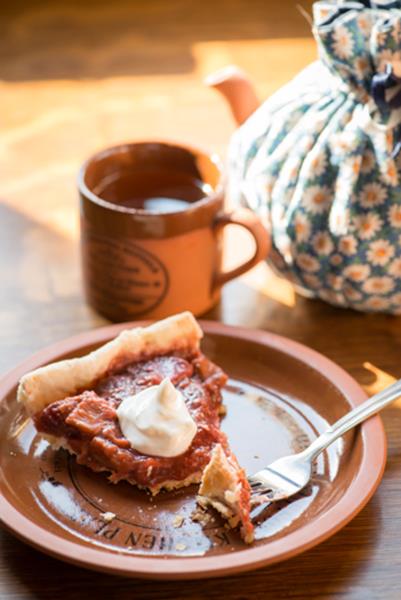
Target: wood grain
{"type": "Point", "coordinates": [78, 76]}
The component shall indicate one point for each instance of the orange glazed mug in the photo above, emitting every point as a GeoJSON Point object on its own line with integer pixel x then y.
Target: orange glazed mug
{"type": "Point", "coordinates": [152, 221]}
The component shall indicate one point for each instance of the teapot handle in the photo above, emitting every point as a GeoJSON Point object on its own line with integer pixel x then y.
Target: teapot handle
{"type": "Point", "coordinates": [246, 218]}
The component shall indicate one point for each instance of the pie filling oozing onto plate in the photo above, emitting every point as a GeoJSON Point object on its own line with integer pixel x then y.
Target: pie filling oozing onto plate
{"type": "Point", "coordinates": [75, 403]}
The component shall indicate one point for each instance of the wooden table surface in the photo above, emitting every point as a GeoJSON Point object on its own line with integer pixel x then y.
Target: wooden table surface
{"type": "Point", "coordinates": [75, 77]}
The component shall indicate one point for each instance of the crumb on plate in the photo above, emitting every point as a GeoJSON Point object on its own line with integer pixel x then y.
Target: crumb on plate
{"type": "Point", "coordinates": [178, 520]}
{"type": "Point", "coordinates": [107, 516]}
{"type": "Point", "coordinates": [180, 546]}
{"type": "Point", "coordinates": [201, 516]}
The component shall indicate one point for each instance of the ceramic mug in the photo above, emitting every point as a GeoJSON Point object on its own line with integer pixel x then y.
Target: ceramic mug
{"type": "Point", "coordinates": [149, 261]}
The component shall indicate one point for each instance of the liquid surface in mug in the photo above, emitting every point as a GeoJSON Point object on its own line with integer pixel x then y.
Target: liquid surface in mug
{"type": "Point", "coordinates": [160, 190]}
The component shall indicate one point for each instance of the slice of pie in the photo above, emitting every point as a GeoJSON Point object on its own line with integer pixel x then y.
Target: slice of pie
{"type": "Point", "coordinates": [74, 404]}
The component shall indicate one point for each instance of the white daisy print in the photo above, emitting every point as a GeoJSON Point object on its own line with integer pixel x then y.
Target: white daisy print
{"type": "Point", "coordinates": [389, 170]}
{"type": "Point", "coordinates": [322, 243]}
{"type": "Point", "coordinates": [341, 143]}
{"type": "Point", "coordinates": [318, 163]}
{"type": "Point", "coordinates": [352, 167]}
{"type": "Point", "coordinates": [348, 245]}
{"type": "Point", "coordinates": [335, 281]}
{"type": "Point", "coordinates": [343, 44]}
{"type": "Point", "coordinates": [376, 303]}
{"type": "Point", "coordinates": [269, 187]}
{"type": "Point", "coordinates": [317, 199]}
{"type": "Point", "coordinates": [351, 293]}
{"type": "Point", "coordinates": [312, 281]}
{"type": "Point", "coordinates": [364, 23]}
{"type": "Point", "coordinates": [291, 170]}
{"type": "Point", "coordinates": [395, 268]}
{"type": "Point", "coordinates": [372, 194]}
{"type": "Point", "coordinates": [307, 143]}
{"type": "Point", "coordinates": [336, 260]}
{"type": "Point", "coordinates": [302, 227]}
{"type": "Point", "coordinates": [307, 262]}
{"type": "Point", "coordinates": [396, 299]}
{"type": "Point", "coordinates": [357, 272]}
{"type": "Point", "coordinates": [380, 252]}
{"type": "Point", "coordinates": [322, 12]}
{"type": "Point", "coordinates": [367, 225]}
{"type": "Point", "coordinates": [378, 285]}
{"type": "Point", "coordinates": [332, 296]}
{"type": "Point", "coordinates": [362, 66]}
{"type": "Point", "coordinates": [339, 220]}
{"type": "Point", "coordinates": [394, 215]}
{"type": "Point", "coordinates": [368, 162]}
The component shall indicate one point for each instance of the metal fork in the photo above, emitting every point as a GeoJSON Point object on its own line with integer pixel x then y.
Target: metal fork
{"type": "Point", "coordinates": [289, 475]}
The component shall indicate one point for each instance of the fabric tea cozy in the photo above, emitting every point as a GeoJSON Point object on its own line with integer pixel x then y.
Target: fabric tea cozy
{"type": "Point", "coordinates": [320, 162]}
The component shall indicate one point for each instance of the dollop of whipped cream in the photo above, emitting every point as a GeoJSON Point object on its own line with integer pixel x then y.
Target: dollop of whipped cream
{"type": "Point", "coordinates": [156, 421]}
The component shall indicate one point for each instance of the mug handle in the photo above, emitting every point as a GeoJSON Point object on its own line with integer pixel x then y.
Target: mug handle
{"type": "Point", "coordinates": [246, 218]}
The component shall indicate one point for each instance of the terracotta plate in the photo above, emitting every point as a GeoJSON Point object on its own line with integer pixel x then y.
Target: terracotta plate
{"type": "Point", "coordinates": [280, 396]}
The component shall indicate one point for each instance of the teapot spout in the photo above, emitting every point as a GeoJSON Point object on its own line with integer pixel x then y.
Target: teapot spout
{"type": "Point", "coordinates": [238, 90]}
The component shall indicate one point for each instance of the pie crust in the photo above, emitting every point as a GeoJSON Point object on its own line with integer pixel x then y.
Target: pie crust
{"type": "Point", "coordinates": [58, 380]}
{"type": "Point", "coordinates": [224, 484]}
{"type": "Point", "coordinates": [225, 488]}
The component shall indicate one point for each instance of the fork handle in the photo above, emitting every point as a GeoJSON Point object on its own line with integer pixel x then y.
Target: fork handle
{"type": "Point", "coordinates": [353, 418]}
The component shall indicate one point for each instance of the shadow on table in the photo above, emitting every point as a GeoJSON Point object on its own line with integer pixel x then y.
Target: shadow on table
{"type": "Point", "coordinates": [348, 337]}
{"type": "Point", "coordinates": [332, 568]}
{"type": "Point", "coordinates": [41, 297]}
{"type": "Point", "coordinates": [73, 40]}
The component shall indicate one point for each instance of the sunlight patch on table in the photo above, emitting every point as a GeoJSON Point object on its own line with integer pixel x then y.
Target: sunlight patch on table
{"type": "Point", "coordinates": [53, 189]}
{"type": "Point", "coordinates": [239, 246]}
{"type": "Point", "coordinates": [382, 380]}
{"type": "Point", "coordinates": [262, 279]}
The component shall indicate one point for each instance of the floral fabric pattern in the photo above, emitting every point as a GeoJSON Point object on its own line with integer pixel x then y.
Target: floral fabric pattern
{"type": "Point", "coordinates": [319, 163]}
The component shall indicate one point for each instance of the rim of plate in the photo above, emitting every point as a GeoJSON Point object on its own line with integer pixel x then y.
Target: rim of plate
{"type": "Point", "coordinates": [308, 535]}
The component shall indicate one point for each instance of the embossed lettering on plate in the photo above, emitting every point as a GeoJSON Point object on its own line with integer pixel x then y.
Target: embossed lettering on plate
{"type": "Point", "coordinates": [121, 518]}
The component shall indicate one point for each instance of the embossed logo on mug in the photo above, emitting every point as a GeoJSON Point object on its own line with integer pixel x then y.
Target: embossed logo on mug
{"type": "Point", "coordinates": [124, 275]}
